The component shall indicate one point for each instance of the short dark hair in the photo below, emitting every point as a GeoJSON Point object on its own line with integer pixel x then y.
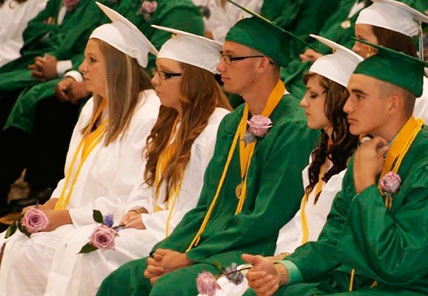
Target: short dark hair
{"type": "Point", "coordinates": [388, 89]}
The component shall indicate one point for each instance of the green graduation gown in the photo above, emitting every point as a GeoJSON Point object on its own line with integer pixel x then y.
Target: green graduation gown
{"type": "Point", "coordinates": [274, 192]}
{"type": "Point", "coordinates": [179, 14]}
{"type": "Point", "coordinates": [387, 246]}
{"type": "Point", "coordinates": [301, 17]}
{"type": "Point", "coordinates": [339, 28]}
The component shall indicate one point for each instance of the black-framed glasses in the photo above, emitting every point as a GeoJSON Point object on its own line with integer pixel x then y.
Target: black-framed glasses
{"type": "Point", "coordinates": [228, 59]}
{"type": "Point", "coordinates": [165, 75]}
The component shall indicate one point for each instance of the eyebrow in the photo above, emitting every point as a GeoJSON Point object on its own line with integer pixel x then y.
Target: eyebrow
{"type": "Point", "coordinates": [228, 51]}
{"type": "Point", "coordinates": [358, 91]}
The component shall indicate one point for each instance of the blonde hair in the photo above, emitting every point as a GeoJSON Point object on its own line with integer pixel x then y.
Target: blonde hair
{"type": "Point", "coordinates": [200, 94]}
{"type": "Point", "coordinates": [125, 79]}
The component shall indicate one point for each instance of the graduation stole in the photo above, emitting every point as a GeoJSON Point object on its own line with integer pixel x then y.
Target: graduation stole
{"type": "Point", "coordinates": [245, 154]}
{"type": "Point", "coordinates": [163, 159]}
{"type": "Point", "coordinates": [396, 153]}
{"type": "Point", "coordinates": [303, 205]}
{"type": "Point", "coordinates": [85, 147]}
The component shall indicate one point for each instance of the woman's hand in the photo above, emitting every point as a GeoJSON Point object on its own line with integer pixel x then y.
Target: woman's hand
{"type": "Point", "coordinates": [133, 219]}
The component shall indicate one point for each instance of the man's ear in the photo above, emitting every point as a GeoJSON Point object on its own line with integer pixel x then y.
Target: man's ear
{"type": "Point", "coordinates": [263, 64]}
{"type": "Point", "coordinates": [395, 103]}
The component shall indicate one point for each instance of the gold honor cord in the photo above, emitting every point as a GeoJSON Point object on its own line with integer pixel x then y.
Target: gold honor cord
{"type": "Point", "coordinates": [87, 144]}
{"type": "Point", "coordinates": [160, 168]}
{"type": "Point", "coordinates": [305, 200]}
{"type": "Point", "coordinates": [245, 155]}
{"type": "Point", "coordinates": [396, 153]}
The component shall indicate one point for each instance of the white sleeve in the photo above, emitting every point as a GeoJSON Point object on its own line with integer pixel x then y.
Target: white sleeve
{"type": "Point", "coordinates": [76, 75]}
{"type": "Point", "coordinates": [63, 66]}
{"type": "Point", "coordinates": [129, 172]}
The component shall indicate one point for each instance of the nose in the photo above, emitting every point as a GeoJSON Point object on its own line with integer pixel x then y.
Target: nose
{"type": "Point", "coordinates": [356, 47]}
{"type": "Point", "coordinates": [221, 66]}
{"type": "Point", "coordinates": [82, 67]}
{"type": "Point", "coordinates": [155, 80]}
{"type": "Point", "coordinates": [347, 108]}
{"type": "Point", "coordinates": [304, 102]}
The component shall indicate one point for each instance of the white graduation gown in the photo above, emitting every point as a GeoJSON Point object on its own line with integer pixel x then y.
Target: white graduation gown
{"type": "Point", "coordinates": [105, 182]}
{"type": "Point", "coordinates": [82, 274]}
{"type": "Point", "coordinates": [14, 17]}
{"type": "Point", "coordinates": [291, 234]}
{"type": "Point", "coordinates": [421, 104]}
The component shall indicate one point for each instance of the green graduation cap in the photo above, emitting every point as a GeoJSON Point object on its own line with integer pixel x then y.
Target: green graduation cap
{"type": "Point", "coordinates": [394, 67]}
{"type": "Point", "coordinates": [263, 35]}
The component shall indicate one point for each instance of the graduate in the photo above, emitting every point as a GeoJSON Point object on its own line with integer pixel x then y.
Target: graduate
{"type": "Point", "coordinates": [39, 112]}
{"type": "Point", "coordinates": [393, 24]}
{"type": "Point", "coordinates": [374, 241]}
{"type": "Point", "coordinates": [14, 16]}
{"type": "Point", "coordinates": [104, 161]}
{"type": "Point", "coordinates": [178, 150]}
{"type": "Point", "coordinates": [62, 32]}
{"type": "Point", "coordinates": [323, 102]}
{"type": "Point", "coordinates": [252, 185]}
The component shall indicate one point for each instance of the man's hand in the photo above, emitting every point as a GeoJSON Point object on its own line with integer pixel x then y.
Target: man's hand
{"type": "Point", "coordinates": [265, 277]}
{"type": "Point", "coordinates": [164, 261]}
{"type": "Point", "coordinates": [44, 68]}
{"type": "Point", "coordinates": [68, 90]}
{"type": "Point", "coordinates": [368, 162]}
{"type": "Point", "coordinates": [310, 55]}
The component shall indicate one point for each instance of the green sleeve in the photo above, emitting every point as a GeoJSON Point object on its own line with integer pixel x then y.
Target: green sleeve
{"type": "Point", "coordinates": [314, 259]}
{"type": "Point", "coordinates": [36, 28]}
{"type": "Point", "coordinates": [275, 195]}
{"type": "Point", "coordinates": [389, 246]}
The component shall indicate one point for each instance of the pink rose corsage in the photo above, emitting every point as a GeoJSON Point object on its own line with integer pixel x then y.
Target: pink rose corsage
{"type": "Point", "coordinates": [147, 9]}
{"type": "Point", "coordinates": [207, 283]}
{"type": "Point", "coordinates": [390, 183]}
{"type": "Point", "coordinates": [258, 128]}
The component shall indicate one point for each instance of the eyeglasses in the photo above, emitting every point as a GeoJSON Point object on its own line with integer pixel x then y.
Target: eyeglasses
{"type": "Point", "coordinates": [228, 59]}
{"type": "Point", "coordinates": [165, 75]}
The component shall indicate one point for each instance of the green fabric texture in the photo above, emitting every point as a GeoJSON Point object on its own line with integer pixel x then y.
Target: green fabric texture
{"type": "Point", "coordinates": [179, 14]}
{"type": "Point", "coordinates": [339, 28]}
{"type": "Point", "coordinates": [301, 17]}
{"type": "Point", "coordinates": [394, 67]}
{"type": "Point", "coordinates": [260, 35]}
{"type": "Point", "coordinates": [274, 193]}
{"type": "Point", "coordinates": [387, 246]}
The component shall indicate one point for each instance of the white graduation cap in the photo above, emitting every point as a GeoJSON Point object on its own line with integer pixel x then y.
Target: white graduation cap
{"type": "Point", "coordinates": [124, 36]}
{"type": "Point", "coordinates": [191, 49]}
{"type": "Point", "coordinates": [337, 66]}
{"type": "Point", "coordinates": [395, 16]}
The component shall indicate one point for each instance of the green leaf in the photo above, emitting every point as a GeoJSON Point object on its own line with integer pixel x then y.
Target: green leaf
{"type": "Point", "coordinates": [218, 265]}
{"type": "Point", "coordinates": [87, 249]}
{"type": "Point", "coordinates": [11, 230]}
{"type": "Point", "coordinates": [22, 228]}
{"type": "Point", "coordinates": [98, 217]}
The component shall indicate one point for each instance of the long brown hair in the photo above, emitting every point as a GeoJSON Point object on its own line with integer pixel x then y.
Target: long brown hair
{"type": "Point", "coordinates": [200, 94]}
{"type": "Point", "coordinates": [125, 80]}
{"type": "Point", "coordinates": [343, 143]}
{"type": "Point", "coordinates": [395, 40]}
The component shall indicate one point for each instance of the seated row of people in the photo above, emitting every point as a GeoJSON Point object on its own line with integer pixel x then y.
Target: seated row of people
{"type": "Point", "coordinates": [252, 186]}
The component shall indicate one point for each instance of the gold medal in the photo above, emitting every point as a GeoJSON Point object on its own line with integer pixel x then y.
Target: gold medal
{"type": "Point", "coordinates": [238, 190]}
